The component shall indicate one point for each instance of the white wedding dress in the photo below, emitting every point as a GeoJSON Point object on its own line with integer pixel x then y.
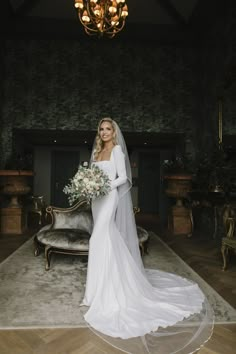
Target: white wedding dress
{"type": "Point", "coordinates": [124, 299]}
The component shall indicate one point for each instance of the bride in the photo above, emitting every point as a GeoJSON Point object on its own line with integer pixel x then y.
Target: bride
{"type": "Point", "coordinates": [125, 300]}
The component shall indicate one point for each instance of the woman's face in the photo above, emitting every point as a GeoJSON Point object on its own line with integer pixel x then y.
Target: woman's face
{"type": "Point", "coordinates": [106, 132]}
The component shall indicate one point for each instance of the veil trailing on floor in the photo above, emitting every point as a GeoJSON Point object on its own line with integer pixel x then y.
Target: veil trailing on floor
{"type": "Point", "coordinates": [185, 336]}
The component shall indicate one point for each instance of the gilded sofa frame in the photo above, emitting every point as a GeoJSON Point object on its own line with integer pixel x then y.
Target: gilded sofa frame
{"type": "Point", "coordinates": [48, 249]}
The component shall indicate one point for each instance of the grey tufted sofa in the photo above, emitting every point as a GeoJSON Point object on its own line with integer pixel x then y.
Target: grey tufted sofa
{"type": "Point", "coordinates": [70, 230]}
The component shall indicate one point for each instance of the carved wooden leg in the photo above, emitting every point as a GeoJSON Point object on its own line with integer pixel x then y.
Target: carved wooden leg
{"type": "Point", "coordinates": [192, 222]}
{"type": "Point", "coordinates": [47, 256]}
{"type": "Point", "coordinates": [224, 251]}
{"type": "Point", "coordinates": [36, 247]}
{"type": "Point", "coordinates": [141, 248]}
{"type": "Point", "coordinates": [40, 218]}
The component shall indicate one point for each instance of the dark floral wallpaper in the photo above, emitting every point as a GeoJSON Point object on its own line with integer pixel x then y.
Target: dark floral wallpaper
{"type": "Point", "coordinates": [52, 84]}
{"type": "Point", "coordinates": [63, 84]}
{"type": "Point", "coordinates": [219, 75]}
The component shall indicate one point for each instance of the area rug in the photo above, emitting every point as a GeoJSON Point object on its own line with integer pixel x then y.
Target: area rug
{"type": "Point", "coordinates": [31, 297]}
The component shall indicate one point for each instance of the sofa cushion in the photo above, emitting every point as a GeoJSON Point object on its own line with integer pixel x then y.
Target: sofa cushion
{"type": "Point", "coordinates": [67, 239]}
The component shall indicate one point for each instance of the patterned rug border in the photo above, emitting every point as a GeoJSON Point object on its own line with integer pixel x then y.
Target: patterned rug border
{"type": "Point", "coordinates": [57, 267]}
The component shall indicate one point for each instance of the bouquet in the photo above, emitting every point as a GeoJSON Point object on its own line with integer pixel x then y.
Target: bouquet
{"type": "Point", "coordinates": [88, 184]}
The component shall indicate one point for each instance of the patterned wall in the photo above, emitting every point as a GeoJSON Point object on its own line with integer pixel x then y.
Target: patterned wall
{"type": "Point", "coordinates": [70, 85]}
{"type": "Point", "coordinates": [218, 57]}
{"type": "Point", "coordinates": [2, 72]}
{"type": "Point", "coordinates": [56, 84]}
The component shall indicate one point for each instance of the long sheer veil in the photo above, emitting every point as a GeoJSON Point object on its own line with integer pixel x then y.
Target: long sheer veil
{"type": "Point", "coordinates": [184, 337]}
{"type": "Point", "coordinates": [124, 215]}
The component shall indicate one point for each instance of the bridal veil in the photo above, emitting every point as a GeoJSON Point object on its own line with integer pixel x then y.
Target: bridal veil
{"type": "Point", "coordinates": [185, 336]}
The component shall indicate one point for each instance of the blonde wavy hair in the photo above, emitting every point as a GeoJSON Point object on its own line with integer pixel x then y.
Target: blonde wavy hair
{"type": "Point", "coordinates": [99, 144]}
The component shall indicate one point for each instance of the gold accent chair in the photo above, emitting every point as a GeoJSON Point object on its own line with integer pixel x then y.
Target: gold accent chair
{"type": "Point", "coordinates": [229, 241]}
{"type": "Point", "coordinates": [37, 206]}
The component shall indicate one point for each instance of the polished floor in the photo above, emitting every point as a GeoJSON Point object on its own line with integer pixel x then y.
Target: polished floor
{"type": "Point", "coordinates": [201, 252]}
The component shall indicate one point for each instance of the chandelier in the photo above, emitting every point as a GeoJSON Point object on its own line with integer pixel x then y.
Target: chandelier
{"type": "Point", "coordinates": [102, 16]}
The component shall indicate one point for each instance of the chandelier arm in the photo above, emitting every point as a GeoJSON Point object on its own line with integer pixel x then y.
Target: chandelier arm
{"type": "Point", "coordinates": [102, 24]}
{"type": "Point", "coordinates": [86, 26]}
{"type": "Point", "coordinates": [91, 15]}
{"type": "Point", "coordinates": [117, 28]}
{"type": "Point", "coordinates": [95, 20]}
{"type": "Point", "coordinates": [89, 32]}
{"type": "Point", "coordinates": [121, 21]}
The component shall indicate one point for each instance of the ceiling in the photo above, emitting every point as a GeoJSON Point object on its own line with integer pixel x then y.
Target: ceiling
{"type": "Point", "coordinates": [156, 20]}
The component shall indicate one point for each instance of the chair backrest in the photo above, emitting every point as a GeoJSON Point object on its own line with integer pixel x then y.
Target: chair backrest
{"type": "Point", "coordinates": [230, 227]}
{"type": "Point", "coordinates": [77, 219]}
{"type": "Point", "coordinates": [79, 216]}
{"type": "Point", "coordinates": [229, 219]}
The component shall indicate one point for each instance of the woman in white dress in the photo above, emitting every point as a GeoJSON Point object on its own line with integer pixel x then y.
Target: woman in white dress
{"type": "Point", "coordinates": [125, 300]}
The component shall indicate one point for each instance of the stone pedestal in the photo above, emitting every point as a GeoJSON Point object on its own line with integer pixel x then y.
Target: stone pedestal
{"type": "Point", "coordinates": [13, 185]}
{"type": "Point", "coordinates": [180, 221]}
{"type": "Point", "coordinates": [13, 220]}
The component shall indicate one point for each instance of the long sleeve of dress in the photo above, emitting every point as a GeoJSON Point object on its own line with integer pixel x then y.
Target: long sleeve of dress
{"type": "Point", "coordinates": [119, 159]}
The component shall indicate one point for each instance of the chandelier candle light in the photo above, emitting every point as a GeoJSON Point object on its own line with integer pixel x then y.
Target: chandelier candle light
{"type": "Point", "coordinates": [102, 16]}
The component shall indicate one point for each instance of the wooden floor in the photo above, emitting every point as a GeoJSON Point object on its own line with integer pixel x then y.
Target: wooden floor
{"type": "Point", "coordinates": [200, 251]}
